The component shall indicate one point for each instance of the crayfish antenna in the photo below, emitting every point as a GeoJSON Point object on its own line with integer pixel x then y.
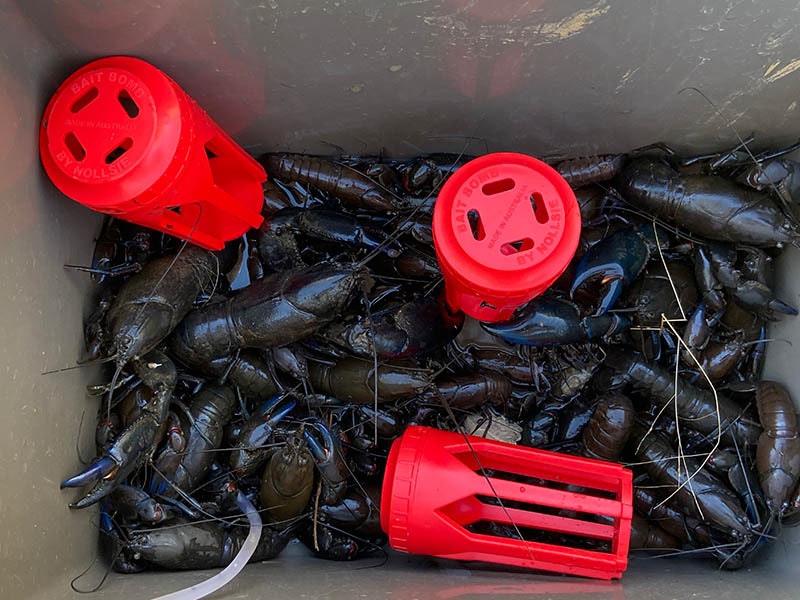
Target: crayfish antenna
{"type": "Point", "coordinates": [94, 361]}
{"type": "Point", "coordinates": [81, 364]}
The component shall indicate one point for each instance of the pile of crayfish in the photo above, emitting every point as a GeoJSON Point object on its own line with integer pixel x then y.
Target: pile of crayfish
{"type": "Point", "coordinates": [284, 366]}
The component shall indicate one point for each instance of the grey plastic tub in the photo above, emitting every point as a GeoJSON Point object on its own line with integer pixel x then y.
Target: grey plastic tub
{"type": "Point", "coordinates": [542, 77]}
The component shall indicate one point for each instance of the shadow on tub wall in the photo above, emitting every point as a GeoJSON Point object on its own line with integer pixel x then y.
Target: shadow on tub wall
{"type": "Point", "coordinates": [540, 76]}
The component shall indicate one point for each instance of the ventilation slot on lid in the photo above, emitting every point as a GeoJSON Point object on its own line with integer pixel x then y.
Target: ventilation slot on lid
{"type": "Point", "coordinates": [518, 246]}
{"type": "Point", "coordinates": [84, 100]}
{"type": "Point", "coordinates": [117, 152]}
{"type": "Point", "coordinates": [128, 104]}
{"type": "Point", "coordinates": [498, 187]}
{"type": "Point", "coordinates": [476, 225]}
{"type": "Point", "coordinates": [75, 147]}
{"type": "Point", "coordinates": [539, 207]}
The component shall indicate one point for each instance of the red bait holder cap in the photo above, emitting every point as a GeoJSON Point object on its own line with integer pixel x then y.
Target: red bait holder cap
{"type": "Point", "coordinates": [121, 137]}
{"type": "Point", "coordinates": [505, 226]}
{"type": "Point", "coordinates": [573, 513]}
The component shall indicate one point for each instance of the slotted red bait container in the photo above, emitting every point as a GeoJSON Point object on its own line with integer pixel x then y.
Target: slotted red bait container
{"type": "Point", "coordinates": [505, 226]}
{"type": "Point", "coordinates": [468, 498]}
{"type": "Point", "coordinates": [121, 137]}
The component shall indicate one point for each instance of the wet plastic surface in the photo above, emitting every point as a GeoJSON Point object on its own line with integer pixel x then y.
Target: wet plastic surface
{"type": "Point", "coordinates": [542, 77]}
{"type": "Point", "coordinates": [432, 499]}
{"type": "Point", "coordinates": [121, 137]}
{"type": "Point", "coordinates": [505, 226]}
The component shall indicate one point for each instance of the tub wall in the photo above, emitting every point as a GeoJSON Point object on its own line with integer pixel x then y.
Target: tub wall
{"type": "Point", "coordinates": [538, 76]}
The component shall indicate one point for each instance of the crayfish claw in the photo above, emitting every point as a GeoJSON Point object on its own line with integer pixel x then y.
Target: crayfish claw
{"type": "Point", "coordinates": [99, 469]}
{"type": "Point", "coordinates": [609, 278]}
{"type": "Point", "coordinates": [612, 264]}
{"type": "Point", "coordinates": [250, 450]}
{"type": "Point", "coordinates": [780, 306]}
{"type": "Point", "coordinates": [278, 408]}
{"type": "Point", "coordinates": [130, 449]}
{"type": "Point", "coordinates": [321, 448]}
{"type": "Point", "coordinates": [613, 285]}
{"type": "Point", "coordinates": [99, 490]}
{"type": "Point", "coordinates": [135, 444]}
{"type": "Point", "coordinates": [757, 298]}
{"type": "Point", "coordinates": [604, 326]}
{"type": "Point", "coordinates": [326, 449]}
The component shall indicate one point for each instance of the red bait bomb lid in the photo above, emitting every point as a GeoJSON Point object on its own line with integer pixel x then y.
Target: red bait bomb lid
{"type": "Point", "coordinates": [505, 226]}
{"type": "Point", "coordinates": [121, 137]}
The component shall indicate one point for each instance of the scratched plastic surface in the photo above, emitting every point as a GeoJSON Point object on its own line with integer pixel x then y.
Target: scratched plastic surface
{"type": "Point", "coordinates": [536, 76]}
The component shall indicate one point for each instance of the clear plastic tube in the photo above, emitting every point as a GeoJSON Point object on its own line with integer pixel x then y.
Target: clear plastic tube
{"type": "Point", "coordinates": [204, 588]}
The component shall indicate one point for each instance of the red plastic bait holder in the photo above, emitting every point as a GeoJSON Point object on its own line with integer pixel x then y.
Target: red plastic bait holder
{"type": "Point", "coordinates": [505, 226]}
{"type": "Point", "coordinates": [440, 498]}
{"type": "Point", "coordinates": [121, 137]}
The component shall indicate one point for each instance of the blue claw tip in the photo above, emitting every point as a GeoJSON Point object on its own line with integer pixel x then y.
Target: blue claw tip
{"type": "Point", "coordinates": [97, 470]}
{"type": "Point", "coordinates": [319, 451]}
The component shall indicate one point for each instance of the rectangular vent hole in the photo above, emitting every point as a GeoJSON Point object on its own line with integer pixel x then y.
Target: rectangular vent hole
{"type": "Point", "coordinates": [546, 510]}
{"type": "Point", "coordinates": [74, 146]}
{"type": "Point", "coordinates": [85, 99]}
{"type": "Point", "coordinates": [503, 530]}
{"type": "Point", "coordinates": [498, 187]}
{"type": "Point", "coordinates": [117, 152]}
{"type": "Point", "coordinates": [518, 246]}
{"type": "Point", "coordinates": [539, 207]}
{"type": "Point", "coordinates": [476, 225]}
{"type": "Point", "coordinates": [128, 104]}
{"type": "Point", "coordinates": [554, 485]}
